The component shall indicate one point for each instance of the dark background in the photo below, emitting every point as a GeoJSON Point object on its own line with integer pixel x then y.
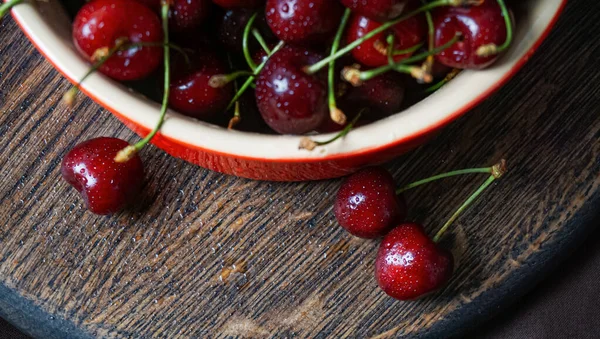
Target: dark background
{"type": "Point", "coordinates": [565, 305]}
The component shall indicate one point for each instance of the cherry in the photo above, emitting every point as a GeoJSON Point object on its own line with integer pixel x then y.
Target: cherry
{"type": "Point", "coordinates": [303, 22]}
{"type": "Point", "coordinates": [184, 15]}
{"type": "Point", "coordinates": [101, 24]}
{"type": "Point", "coordinates": [383, 94]}
{"type": "Point", "coordinates": [373, 52]}
{"type": "Point", "coordinates": [291, 101]}
{"type": "Point", "coordinates": [410, 265]}
{"type": "Point", "coordinates": [191, 93]}
{"type": "Point", "coordinates": [239, 3]}
{"type": "Point", "coordinates": [367, 205]}
{"type": "Point", "coordinates": [479, 25]}
{"type": "Point", "coordinates": [378, 10]}
{"type": "Point", "coordinates": [105, 185]}
{"type": "Point", "coordinates": [232, 25]}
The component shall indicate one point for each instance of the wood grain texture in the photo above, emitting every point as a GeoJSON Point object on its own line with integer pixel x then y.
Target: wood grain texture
{"type": "Point", "coordinates": [208, 255]}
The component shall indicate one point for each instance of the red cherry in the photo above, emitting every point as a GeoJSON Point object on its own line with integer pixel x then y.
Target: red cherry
{"type": "Point", "coordinates": [479, 25]}
{"type": "Point", "coordinates": [367, 205]}
{"type": "Point", "coordinates": [410, 265]}
{"type": "Point", "coordinates": [191, 93]}
{"type": "Point", "coordinates": [303, 22]}
{"type": "Point", "coordinates": [373, 52]}
{"type": "Point", "coordinates": [101, 23]}
{"type": "Point", "coordinates": [105, 185]}
{"type": "Point", "coordinates": [184, 15]}
{"type": "Point", "coordinates": [383, 95]}
{"type": "Point", "coordinates": [291, 101]}
{"type": "Point", "coordinates": [239, 3]}
{"type": "Point", "coordinates": [379, 10]}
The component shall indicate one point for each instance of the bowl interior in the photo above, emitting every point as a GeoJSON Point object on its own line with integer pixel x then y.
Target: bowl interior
{"type": "Point", "coordinates": [48, 26]}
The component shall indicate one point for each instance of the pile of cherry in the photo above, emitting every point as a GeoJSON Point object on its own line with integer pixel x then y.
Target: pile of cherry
{"type": "Point", "coordinates": [300, 66]}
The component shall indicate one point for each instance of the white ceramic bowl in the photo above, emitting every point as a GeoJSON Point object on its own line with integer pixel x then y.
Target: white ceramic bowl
{"type": "Point", "coordinates": [271, 157]}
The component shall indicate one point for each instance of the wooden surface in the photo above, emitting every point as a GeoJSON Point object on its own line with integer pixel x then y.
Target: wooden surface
{"type": "Point", "coordinates": [207, 255]}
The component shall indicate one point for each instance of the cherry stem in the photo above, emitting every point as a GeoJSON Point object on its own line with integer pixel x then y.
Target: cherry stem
{"type": "Point", "coordinates": [498, 171]}
{"type": "Point", "coordinates": [237, 116]}
{"type": "Point", "coordinates": [250, 79]}
{"type": "Point", "coordinates": [493, 49]}
{"type": "Point", "coordinates": [128, 152]}
{"type": "Point", "coordinates": [453, 73]}
{"type": "Point", "coordinates": [261, 40]}
{"type": "Point", "coordinates": [336, 114]}
{"type": "Point", "coordinates": [309, 144]}
{"type": "Point", "coordinates": [444, 175]}
{"type": "Point", "coordinates": [7, 6]}
{"type": "Point", "coordinates": [401, 65]}
{"type": "Point", "coordinates": [220, 80]}
{"type": "Point", "coordinates": [390, 48]}
{"type": "Point", "coordinates": [324, 62]}
{"type": "Point", "coordinates": [407, 50]}
{"type": "Point", "coordinates": [428, 64]}
{"type": "Point", "coordinates": [247, 55]}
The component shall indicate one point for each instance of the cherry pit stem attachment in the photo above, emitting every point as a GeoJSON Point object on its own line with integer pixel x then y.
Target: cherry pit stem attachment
{"type": "Point", "coordinates": [438, 3]}
{"type": "Point", "coordinates": [493, 49]}
{"type": "Point", "coordinates": [335, 113]}
{"type": "Point", "coordinates": [130, 151]}
{"type": "Point", "coordinates": [497, 171]}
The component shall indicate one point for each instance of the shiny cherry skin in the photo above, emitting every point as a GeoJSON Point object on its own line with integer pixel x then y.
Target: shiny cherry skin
{"type": "Point", "coordinates": [184, 15]}
{"type": "Point", "coordinates": [231, 29]}
{"type": "Point", "coordinates": [190, 92]}
{"type": "Point", "coordinates": [101, 23]}
{"type": "Point", "coordinates": [373, 52]}
{"type": "Point", "coordinates": [304, 22]}
{"type": "Point", "coordinates": [382, 95]}
{"type": "Point", "coordinates": [289, 100]}
{"type": "Point", "coordinates": [410, 265]}
{"type": "Point", "coordinates": [367, 205]}
{"type": "Point", "coordinates": [105, 185]}
{"type": "Point", "coordinates": [479, 25]}
{"type": "Point", "coordinates": [239, 3]}
{"type": "Point", "coordinates": [378, 10]}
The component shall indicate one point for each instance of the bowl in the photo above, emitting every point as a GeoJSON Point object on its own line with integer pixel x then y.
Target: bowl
{"type": "Point", "coordinates": [277, 157]}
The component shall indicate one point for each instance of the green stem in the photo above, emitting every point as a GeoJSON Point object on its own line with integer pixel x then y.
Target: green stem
{"type": "Point", "coordinates": [407, 50]}
{"type": "Point", "coordinates": [444, 175]}
{"type": "Point", "coordinates": [309, 144]}
{"type": "Point", "coordinates": [324, 62]}
{"type": "Point", "coordinates": [245, 47]}
{"type": "Point", "coordinates": [444, 81]}
{"type": "Point", "coordinates": [250, 79]}
{"type": "Point", "coordinates": [463, 207]}
{"type": "Point", "coordinates": [401, 65]}
{"type": "Point", "coordinates": [167, 81]}
{"type": "Point", "coordinates": [493, 49]}
{"type": "Point", "coordinates": [334, 47]}
{"type": "Point", "coordinates": [390, 48]}
{"type": "Point", "coordinates": [261, 41]}
{"type": "Point", "coordinates": [7, 6]}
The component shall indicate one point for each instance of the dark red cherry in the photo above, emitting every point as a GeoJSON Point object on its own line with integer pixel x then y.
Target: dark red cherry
{"type": "Point", "coordinates": [373, 52]}
{"type": "Point", "coordinates": [479, 25]}
{"type": "Point", "coordinates": [289, 100]}
{"type": "Point", "coordinates": [383, 95]}
{"type": "Point", "coordinates": [302, 21]}
{"type": "Point", "coordinates": [101, 23]}
{"type": "Point", "coordinates": [105, 185]}
{"type": "Point", "coordinates": [231, 29]}
{"type": "Point", "coordinates": [367, 205]}
{"type": "Point", "coordinates": [191, 93]}
{"type": "Point", "coordinates": [184, 15]}
{"type": "Point", "coordinates": [410, 265]}
{"type": "Point", "coordinates": [239, 3]}
{"type": "Point", "coordinates": [379, 10]}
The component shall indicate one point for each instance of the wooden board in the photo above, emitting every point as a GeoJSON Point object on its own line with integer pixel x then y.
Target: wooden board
{"type": "Point", "coordinates": [208, 255]}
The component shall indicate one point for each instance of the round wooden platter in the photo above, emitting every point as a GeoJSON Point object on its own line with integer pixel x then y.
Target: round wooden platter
{"type": "Point", "coordinates": [208, 255]}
